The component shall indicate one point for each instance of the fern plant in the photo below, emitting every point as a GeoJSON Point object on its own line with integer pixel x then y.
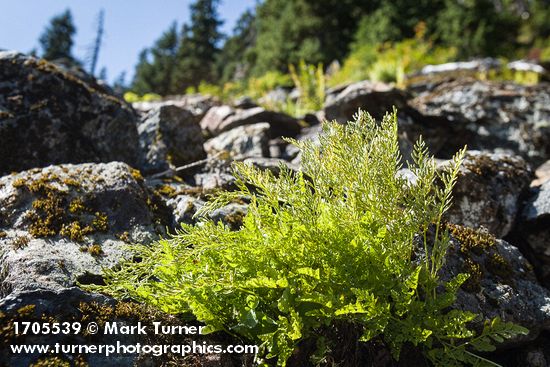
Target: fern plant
{"type": "Point", "coordinates": [345, 241]}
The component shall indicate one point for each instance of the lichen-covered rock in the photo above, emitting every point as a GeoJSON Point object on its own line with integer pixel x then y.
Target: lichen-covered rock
{"type": "Point", "coordinates": [492, 116]}
{"type": "Point", "coordinates": [224, 118]}
{"type": "Point", "coordinates": [48, 116]}
{"type": "Point", "coordinates": [63, 224]}
{"type": "Point", "coordinates": [169, 137]}
{"type": "Point", "coordinates": [240, 142]}
{"type": "Point", "coordinates": [81, 308]}
{"type": "Point", "coordinates": [376, 98]}
{"type": "Point", "coordinates": [501, 283]}
{"type": "Point", "coordinates": [488, 190]}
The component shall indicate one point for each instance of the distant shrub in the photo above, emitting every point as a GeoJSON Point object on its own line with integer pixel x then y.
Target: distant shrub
{"type": "Point", "coordinates": [390, 62]}
{"type": "Point", "coordinates": [260, 86]}
{"type": "Point", "coordinates": [132, 97]}
{"type": "Point", "coordinates": [310, 82]}
{"type": "Point", "coordinates": [347, 245]}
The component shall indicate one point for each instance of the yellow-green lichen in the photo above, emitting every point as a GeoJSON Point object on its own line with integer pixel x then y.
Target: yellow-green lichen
{"type": "Point", "coordinates": [20, 242]}
{"type": "Point", "coordinates": [53, 214]}
{"type": "Point", "coordinates": [497, 264]}
{"type": "Point", "coordinates": [475, 273]}
{"type": "Point", "coordinates": [471, 240]}
{"type": "Point", "coordinates": [95, 250]}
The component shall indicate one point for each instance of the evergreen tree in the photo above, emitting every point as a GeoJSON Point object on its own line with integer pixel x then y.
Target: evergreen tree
{"type": "Point", "coordinates": [156, 66]}
{"type": "Point", "coordinates": [312, 30]}
{"type": "Point", "coordinates": [57, 39]}
{"type": "Point", "coordinates": [237, 55]}
{"type": "Point", "coordinates": [198, 47]}
{"type": "Point", "coordinates": [479, 27]}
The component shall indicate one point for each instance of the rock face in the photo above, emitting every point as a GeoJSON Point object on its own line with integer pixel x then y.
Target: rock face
{"type": "Point", "coordinates": [501, 282]}
{"type": "Point", "coordinates": [533, 231]}
{"type": "Point", "coordinates": [224, 118]}
{"type": "Point", "coordinates": [240, 142]}
{"type": "Point", "coordinates": [376, 98]}
{"type": "Point", "coordinates": [63, 224]}
{"type": "Point", "coordinates": [48, 116]}
{"type": "Point", "coordinates": [488, 190]}
{"type": "Point", "coordinates": [492, 116]}
{"type": "Point", "coordinates": [169, 137]}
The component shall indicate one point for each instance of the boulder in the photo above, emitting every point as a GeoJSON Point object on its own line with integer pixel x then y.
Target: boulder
{"type": "Point", "coordinates": [79, 308]}
{"type": "Point", "coordinates": [533, 231]}
{"type": "Point", "coordinates": [501, 281]}
{"type": "Point", "coordinates": [48, 116]}
{"type": "Point", "coordinates": [241, 142]}
{"type": "Point", "coordinates": [376, 98]}
{"type": "Point", "coordinates": [169, 137]}
{"type": "Point", "coordinates": [63, 224]}
{"type": "Point", "coordinates": [487, 193]}
{"type": "Point", "coordinates": [224, 118]}
{"type": "Point", "coordinates": [492, 116]}
{"type": "Point", "coordinates": [197, 104]}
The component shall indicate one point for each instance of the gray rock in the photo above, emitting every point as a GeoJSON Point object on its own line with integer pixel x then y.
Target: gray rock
{"type": "Point", "coordinates": [224, 118]}
{"type": "Point", "coordinates": [502, 283]}
{"type": "Point", "coordinates": [376, 98]}
{"type": "Point", "coordinates": [231, 215]}
{"type": "Point", "coordinates": [492, 116]}
{"type": "Point", "coordinates": [76, 306]}
{"type": "Point", "coordinates": [63, 224]}
{"type": "Point", "coordinates": [488, 190]}
{"type": "Point", "coordinates": [240, 142]}
{"type": "Point", "coordinates": [48, 116]}
{"type": "Point", "coordinates": [169, 137]}
{"type": "Point", "coordinates": [533, 231]}
{"type": "Point", "coordinates": [542, 174]}
{"type": "Point", "coordinates": [271, 164]}
{"type": "Point", "coordinates": [198, 104]}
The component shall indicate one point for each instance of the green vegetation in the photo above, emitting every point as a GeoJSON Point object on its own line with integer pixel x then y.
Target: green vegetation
{"type": "Point", "coordinates": [378, 40]}
{"type": "Point", "coordinates": [57, 39]}
{"type": "Point", "coordinates": [346, 248]}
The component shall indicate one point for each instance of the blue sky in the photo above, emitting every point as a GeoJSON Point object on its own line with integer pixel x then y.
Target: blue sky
{"type": "Point", "coordinates": [130, 25]}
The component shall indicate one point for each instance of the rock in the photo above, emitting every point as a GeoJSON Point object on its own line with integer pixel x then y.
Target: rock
{"type": "Point", "coordinates": [224, 118]}
{"type": "Point", "coordinates": [275, 97]}
{"type": "Point", "coordinates": [501, 283]}
{"type": "Point", "coordinates": [533, 231]}
{"type": "Point", "coordinates": [244, 103]}
{"type": "Point", "coordinates": [48, 116]}
{"type": "Point", "coordinates": [198, 104]}
{"type": "Point", "coordinates": [63, 224]}
{"type": "Point", "coordinates": [76, 307]}
{"type": "Point", "coordinates": [241, 142]}
{"type": "Point", "coordinates": [473, 65]}
{"type": "Point", "coordinates": [169, 137]}
{"type": "Point", "coordinates": [231, 215]}
{"type": "Point", "coordinates": [488, 190]}
{"type": "Point", "coordinates": [271, 164]}
{"type": "Point", "coordinates": [524, 65]}
{"type": "Point", "coordinates": [376, 98]}
{"type": "Point", "coordinates": [217, 174]}
{"type": "Point", "coordinates": [542, 174]}
{"type": "Point", "coordinates": [503, 117]}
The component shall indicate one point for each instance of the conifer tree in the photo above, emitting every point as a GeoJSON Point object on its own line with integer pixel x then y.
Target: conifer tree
{"type": "Point", "coordinates": [57, 39]}
{"type": "Point", "coordinates": [198, 46]}
{"type": "Point", "coordinates": [156, 66]}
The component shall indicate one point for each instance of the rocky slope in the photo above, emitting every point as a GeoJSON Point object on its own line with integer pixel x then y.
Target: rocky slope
{"type": "Point", "coordinates": [84, 175]}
